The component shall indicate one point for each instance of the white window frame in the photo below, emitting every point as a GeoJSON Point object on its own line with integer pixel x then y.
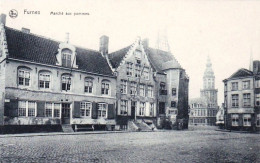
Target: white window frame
{"type": "Point", "coordinates": [247, 119]}
{"type": "Point", "coordinates": [102, 110]}
{"type": "Point", "coordinates": [142, 109]}
{"type": "Point", "coordinates": [257, 83]}
{"type": "Point", "coordinates": [133, 88]}
{"type": "Point", "coordinates": [234, 86]}
{"type": "Point", "coordinates": [246, 99]}
{"type": "Point", "coordinates": [68, 81]}
{"type": "Point", "coordinates": [146, 73]}
{"type": "Point", "coordinates": [138, 70]}
{"type": "Point", "coordinates": [66, 55]}
{"type": "Point", "coordinates": [235, 101]}
{"type": "Point", "coordinates": [86, 106]}
{"type": "Point", "coordinates": [129, 69]}
{"type": "Point", "coordinates": [24, 77]}
{"type": "Point", "coordinates": [88, 85]}
{"type": "Point", "coordinates": [246, 84]}
{"type": "Point", "coordinates": [124, 86]}
{"type": "Point", "coordinates": [27, 108]}
{"type": "Point", "coordinates": [142, 90]}
{"type": "Point", "coordinates": [43, 79]}
{"type": "Point", "coordinates": [53, 109]}
{"type": "Point", "coordinates": [123, 107]}
{"type": "Point", "coordinates": [150, 91]}
{"type": "Point", "coordinates": [105, 88]}
{"type": "Point", "coordinates": [234, 119]}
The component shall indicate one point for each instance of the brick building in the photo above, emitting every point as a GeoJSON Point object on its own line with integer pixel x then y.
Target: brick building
{"type": "Point", "coordinates": [48, 84]}
{"type": "Point", "coordinates": [242, 99]}
{"type": "Point", "coordinates": [152, 87]}
{"type": "Point", "coordinates": [204, 109]}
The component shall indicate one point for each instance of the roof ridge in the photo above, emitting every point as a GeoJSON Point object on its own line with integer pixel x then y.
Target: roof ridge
{"type": "Point", "coordinates": [51, 39]}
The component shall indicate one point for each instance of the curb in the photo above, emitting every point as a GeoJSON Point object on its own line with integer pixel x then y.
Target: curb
{"type": "Point", "coordinates": [234, 131]}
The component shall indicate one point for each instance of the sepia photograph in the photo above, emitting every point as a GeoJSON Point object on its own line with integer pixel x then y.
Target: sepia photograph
{"type": "Point", "coordinates": [130, 81]}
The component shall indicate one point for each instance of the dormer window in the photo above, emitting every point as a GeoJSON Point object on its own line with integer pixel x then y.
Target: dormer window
{"type": "Point", "coordinates": [66, 57]}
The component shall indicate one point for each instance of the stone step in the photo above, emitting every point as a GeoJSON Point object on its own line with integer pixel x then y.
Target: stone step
{"type": "Point", "coordinates": [67, 128]}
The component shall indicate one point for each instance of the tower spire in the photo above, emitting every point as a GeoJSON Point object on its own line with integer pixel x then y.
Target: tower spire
{"type": "Point", "coordinates": [162, 40]}
{"type": "Point", "coordinates": [251, 60]}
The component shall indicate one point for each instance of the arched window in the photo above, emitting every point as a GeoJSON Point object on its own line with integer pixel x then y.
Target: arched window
{"type": "Point", "coordinates": [44, 79]}
{"type": "Point", "coordinates": [105, 87]}
{"type": "Point", "coordinates": [66, 57]}
{"type": "Point", "coordinates": [66, 82]}
{"type": "Point", "coordinates": [24, 76]}
{"type": "Point", "coordinates": [88, 88]}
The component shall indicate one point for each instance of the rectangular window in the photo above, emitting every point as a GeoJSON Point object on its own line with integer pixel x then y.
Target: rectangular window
{"type": "Point", "coordinates": [174, 91]}
{"type": "Point", "coordinates": [173, 104]}
{"type": "Point", "coordinates": [257, 99]}
{"type": "Point", "coordinates": [150, 91]}
{"type": "Point", "coordinates": [142, 109]}
{"type": "Point", "coordinates": [57, 108]}
{"type": "Point", "coordinates": [85, 109]}
{"type": "Point", "coordinates": [102, 110]}
{"type": "Point", "coordinates": [129, 69]}
{"type": "Point", "coordinates": [123, 86]}
{"type": "Point", "coordinates": [234, 118]}
{"type": "Point", "coordinates": [66, 60]}
{"type": "Point", "coordinates": [258, 120]}
{"type": "Point", "coordinates": [88, 86]}
{"type": "Point", "coordinates": [137, 70]}
{"type": "Point", "coordinates": [151, 109]}
{"type": "Point", "coordinates": [24, 77]}
{"type": "Point", "coordinates": [27, 108]}
{"type": "Point", "coordinates": [66, 83]}
{"type": "Point", "coordinates": [142, 90]}
{"type": "Point", "coordinates": [247, 119]}
{"type": "Point", "coordinates": [146, 73]}
{"type": "Point", "coordinates": [105, 88]}
{"type": "Point", "coordinates": [246, 84]}
{"type": "Point", "coordinates": [234, 86]}
{"type": "Point", "coordinates": [44, 80]}
{"type": "Point", "coordinates": [133, 88]}
{"type": "Point", "coordinates": [48, 109]}
{"type": "Point", "coordinates": [246, 99]}
{"type": "Point", "coordinates": [257, 83]}
{"type": "Point", "coordinates": [123, 107]}
{"type": "Point", "coordinates": [235, 100]}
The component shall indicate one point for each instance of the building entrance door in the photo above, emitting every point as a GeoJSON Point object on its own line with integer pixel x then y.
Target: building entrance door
{"type": "Point", "coordinates": [133, 107]}
{"type": "Point", "coordinates": [65, 115]}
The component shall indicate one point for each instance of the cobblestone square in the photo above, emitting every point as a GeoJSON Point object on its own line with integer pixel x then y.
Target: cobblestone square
{"type": "Point", "coordinates": [167, 146]}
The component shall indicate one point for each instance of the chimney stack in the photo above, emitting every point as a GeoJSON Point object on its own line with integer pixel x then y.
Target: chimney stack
{"type": "Point", "coordinates": [103, 45]}
{"type": "Point", "coordinates": [25, 30]}
{"type": "Point", "coordinates": [145, 43]}
{"type": "Point", "coordinates": [3, 19]}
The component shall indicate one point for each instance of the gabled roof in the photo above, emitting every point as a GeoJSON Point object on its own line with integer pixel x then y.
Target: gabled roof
{"type": "Point", "coordinates": [241, 73]}
{"type": "Point", "coordinates": [160, 60]}
{"type": "Point", "coordinates": [30, 47]}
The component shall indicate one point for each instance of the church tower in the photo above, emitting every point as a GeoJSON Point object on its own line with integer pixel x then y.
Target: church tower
{"type": "Point", "coordinates": [209, 92]}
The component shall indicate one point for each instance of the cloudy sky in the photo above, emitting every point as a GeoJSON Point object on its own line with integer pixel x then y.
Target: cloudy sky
{"type": "Point", "coordinates": [227, 31]}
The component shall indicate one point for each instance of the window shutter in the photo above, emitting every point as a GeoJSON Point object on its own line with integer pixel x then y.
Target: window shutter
{"type": "Point", "coordinates": [11, 108]}
{"type": "Point", "coordinates": [110, 111]}
{"type": "Point", "coordinates": [40, 109]}
{"type": "Point", "coordinates": [240, 120]}
{"type": "Point", "coordinates": [76, 110]}
{"type": "Point", "coordinates": [94, 110]}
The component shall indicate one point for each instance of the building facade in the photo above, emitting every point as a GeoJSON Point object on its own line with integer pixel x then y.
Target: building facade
{"type": "Point", "coordinates": [152, 87]}
{"type": "Point", "coordinates": [203, 110]}
{"type": "Point", "coordinates": [47, 83]}
{"type": "Point", "coordinates": [242, 99]}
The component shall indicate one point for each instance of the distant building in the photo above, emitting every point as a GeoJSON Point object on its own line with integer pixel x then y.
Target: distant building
{"type": "Point", "coordinates": [242, 99]}
{"type": "Point", "coordinates": [220, 116]}
{"type": "Point", "coordinates": [203, 110]}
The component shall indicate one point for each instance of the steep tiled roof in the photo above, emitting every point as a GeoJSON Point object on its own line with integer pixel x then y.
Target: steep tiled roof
{"type": "Point", "coordinates": [117, 56]}
{"type": "Point", "coordinates": [241, 73]}
{"type": "Point", "coordinates": [160, 60]}
{"type": "Point", "coordinates": [38, 49]}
